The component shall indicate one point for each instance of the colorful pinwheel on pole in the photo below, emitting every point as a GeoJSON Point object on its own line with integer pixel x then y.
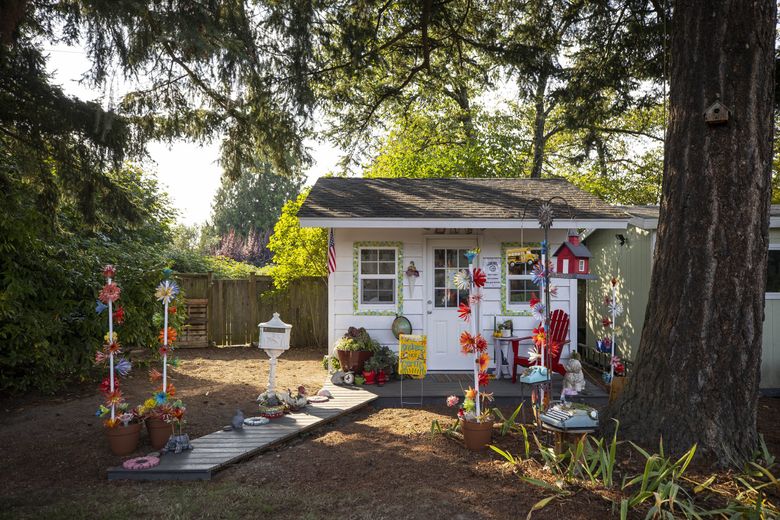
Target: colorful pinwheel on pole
{"type": "Point", "coordinates": [113, 399]}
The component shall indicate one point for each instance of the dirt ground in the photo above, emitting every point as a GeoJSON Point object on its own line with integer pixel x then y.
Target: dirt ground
{"type": "Point", "coordinates": [373, 464]}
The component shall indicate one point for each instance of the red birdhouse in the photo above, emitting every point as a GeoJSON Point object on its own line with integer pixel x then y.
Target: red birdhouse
{"type": "Point", "coordinates": [572, 256]}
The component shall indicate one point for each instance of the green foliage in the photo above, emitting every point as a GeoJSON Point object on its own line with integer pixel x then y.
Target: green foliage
{"type": "Point", "coordinates": [254, 201]}
{"type": "Point", "coordinates": [52, 275]}
{"type": "Point", "coordinates": [331, 359]}
{"type": "Point", "coordinates": [357, 339]}
{"type": "Point", "coordinates": [384, 359]}
{"type": "Point", "coordinates": [298, 252]}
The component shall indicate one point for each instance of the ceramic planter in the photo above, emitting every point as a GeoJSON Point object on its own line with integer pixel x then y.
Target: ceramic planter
{"type": "Point", "coordinates": [123, 440]}
{"type": "Point", "coordinates": [159, 432]}
{"type": "Point", "coordinates": [382, 377]}
{"type": "Point", "coordinates": [353, 360]}
{"type": "Point", "coordinates": [476, 435]}
{"type": "Point", "coordinates": [370, 377]}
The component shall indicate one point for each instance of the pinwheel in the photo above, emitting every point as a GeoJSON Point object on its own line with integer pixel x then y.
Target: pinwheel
{"type": "Point", "coordinates": [464, 311]}
{"type": "Point", "coordinates": [166, 291]}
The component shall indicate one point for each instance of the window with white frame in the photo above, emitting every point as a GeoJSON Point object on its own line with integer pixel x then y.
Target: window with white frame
{"type": "Point", "coordinates": [377, 275]}
{"type": "Point", "coordinates": [519, 273]}
{"type": "Point", "coordinates": [773, 272]}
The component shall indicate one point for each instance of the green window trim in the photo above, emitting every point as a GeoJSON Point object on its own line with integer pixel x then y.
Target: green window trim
{"type": "Point", "coordinates": [398, 307]}
{"type": "Point", "coordinates": [505, 310]}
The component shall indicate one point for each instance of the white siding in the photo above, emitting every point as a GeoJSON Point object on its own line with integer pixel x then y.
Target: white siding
{"type": "Point", "coordinates": [341, 313]}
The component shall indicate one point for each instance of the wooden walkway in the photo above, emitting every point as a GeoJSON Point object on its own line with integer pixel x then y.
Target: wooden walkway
{"type": "Point", "coordinates": [217, 450]}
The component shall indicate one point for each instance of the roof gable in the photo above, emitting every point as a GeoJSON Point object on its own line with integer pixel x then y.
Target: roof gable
{"type": "Point", "coordinates": [578, 250]}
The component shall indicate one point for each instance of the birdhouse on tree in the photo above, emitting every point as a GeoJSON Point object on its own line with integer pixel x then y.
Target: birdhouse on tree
{"type": "Point", "coordinates": [572, 256]}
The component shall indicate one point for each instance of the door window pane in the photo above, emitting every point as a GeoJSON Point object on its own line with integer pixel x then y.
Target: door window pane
{"type": "Point", "coordinates": [447, 263]}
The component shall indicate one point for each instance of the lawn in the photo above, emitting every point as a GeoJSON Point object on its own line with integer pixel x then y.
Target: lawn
{"type": "Point", "coordinates": [373, 464]}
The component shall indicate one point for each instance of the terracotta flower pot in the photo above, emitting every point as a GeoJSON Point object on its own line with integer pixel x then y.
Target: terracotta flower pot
{"type": "Point", "coordinates": [123, 440]}
{"type": "Point", "coordinates": [353, 360]}
{"type": "Point", "coordinates": [476, 435]}
{"type": "Point", "coordinates": [159, 432]}
{"type": "Point", "coordinates": [370, 377]}
{"type": "Point", "coordinates": [616, 387]}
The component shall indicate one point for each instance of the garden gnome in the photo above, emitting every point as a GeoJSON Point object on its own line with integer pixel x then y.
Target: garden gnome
{"type": "Point", "coordinates": [238, 420]}
{"type": "Point", "coordinates": [574, 380]}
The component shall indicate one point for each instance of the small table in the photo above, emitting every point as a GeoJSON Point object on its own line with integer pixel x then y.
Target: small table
{"type": "Point", "coordinates": [503, 354]}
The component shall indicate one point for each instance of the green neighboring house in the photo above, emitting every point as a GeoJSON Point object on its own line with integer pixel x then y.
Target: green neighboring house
{"type": "Point", "coordinates": [628, 255]}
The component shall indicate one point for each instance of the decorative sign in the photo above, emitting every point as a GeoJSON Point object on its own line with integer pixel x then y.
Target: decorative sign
{"type": "Point", "coordinates": [412, 355]}
{"type": "Point", "coordinates": [492, 267]}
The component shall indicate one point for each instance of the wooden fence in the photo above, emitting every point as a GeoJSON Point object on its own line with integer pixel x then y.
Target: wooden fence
{"type": "Point", "coordinates": [227, 312]}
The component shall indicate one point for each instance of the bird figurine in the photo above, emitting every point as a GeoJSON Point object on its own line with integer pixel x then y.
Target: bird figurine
{"type": "Point", "coordinates": [238, 420]}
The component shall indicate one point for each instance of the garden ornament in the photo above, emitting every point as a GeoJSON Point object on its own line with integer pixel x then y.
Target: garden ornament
{"type": "Point", "coordinates": [238, 420]}
{"type": "Point", "coordinates": [338, 377]}
{"type": "Point", "coordinates": [325, 393]}
{"type": "Point", "coordinates": [574, 380]}
{"type": "Point", "coordinates": [177, 444]}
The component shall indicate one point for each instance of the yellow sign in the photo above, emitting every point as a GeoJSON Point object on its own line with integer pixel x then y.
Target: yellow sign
{"type": "Point", "coordinates": [412, 355]}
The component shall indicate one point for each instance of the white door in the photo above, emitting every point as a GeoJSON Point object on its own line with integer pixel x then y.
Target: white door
{"type": "Point", "coordinates": [444, 259]}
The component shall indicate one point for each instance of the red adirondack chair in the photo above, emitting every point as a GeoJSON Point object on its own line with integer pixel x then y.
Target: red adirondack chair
{"type": "Point", "coordinates": [559, 332]}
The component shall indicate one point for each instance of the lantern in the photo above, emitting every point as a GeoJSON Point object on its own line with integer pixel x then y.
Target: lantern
{"type": "Point", "coordinates": [274, 340]}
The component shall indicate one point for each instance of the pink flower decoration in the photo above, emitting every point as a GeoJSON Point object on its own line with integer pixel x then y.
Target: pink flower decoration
{"type": "Point", "coordinates": [109, 293]}
{"type": "Point", "coordinates": [141, 463]}
{"type": "Point", "coordinates": [452, 401]}
{"type": "Point", "coordinates": [109, 271]}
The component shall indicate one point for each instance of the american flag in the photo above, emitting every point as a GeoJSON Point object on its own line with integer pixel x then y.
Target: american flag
{"type": "Point", "coordinates": [331, 253]}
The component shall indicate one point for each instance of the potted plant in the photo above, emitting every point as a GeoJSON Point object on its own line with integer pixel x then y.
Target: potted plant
{"type": "Point", "coordinates": [618, 382]}
{"type": "Point", "coordinates": [355, 348]}
{"type": "Point", "coordinates": [370, 370]}
{"type": "Point", "coordinates": [123, 428]}
{"type": "Point", "coordinates": [477, 429]}
{"type": "Point", "coordinates": [124, 431]}
{"type": "Point", "coordinates": [385, 361]}
{"type": "Point", "coordinates": [271, 404]}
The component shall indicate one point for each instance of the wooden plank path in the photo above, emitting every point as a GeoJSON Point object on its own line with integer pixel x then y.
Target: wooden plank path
{"type": "Point", "coordinates": [218, 450]}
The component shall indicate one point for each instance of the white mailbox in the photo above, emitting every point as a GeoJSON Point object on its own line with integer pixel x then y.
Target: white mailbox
{"type": "Point", "coordinates": [275, 334]}
{"type": "Point", "coordinates": [274, 340]}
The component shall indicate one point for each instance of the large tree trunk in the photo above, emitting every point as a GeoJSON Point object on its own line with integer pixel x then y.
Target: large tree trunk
{"type": "Point", "coordinates": [697, 370]}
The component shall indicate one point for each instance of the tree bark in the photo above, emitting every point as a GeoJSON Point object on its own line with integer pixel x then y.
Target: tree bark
{"type": "Point", "coordinates": [540, 120]}
{"type": "Point", "coordinates": [697, 369]}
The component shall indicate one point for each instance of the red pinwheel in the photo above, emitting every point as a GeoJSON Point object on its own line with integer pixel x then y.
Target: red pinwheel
{"type": "Point", "coordinates": [480, 343]}
{"type": "Point", "coordinates": [464, 311]}
{"type": "Point", "coordinates": [534, 300]}
{"type": "Point", "coordinates": [484, 379]}
{"type": "Point", "coordinates": [606, 322]}
{"type": "Point", "coordinates": [119, 315]}
{"type": "Point", "coordinates": [479, 278]}
{"type": "Point", "coordinates": [109, 293]}
{"type": "Point", "coordinates": [467, 342]}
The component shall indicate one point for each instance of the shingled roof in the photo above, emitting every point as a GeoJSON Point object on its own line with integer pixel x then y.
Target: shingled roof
{"type": "Point", "coordinates": [492, 199]}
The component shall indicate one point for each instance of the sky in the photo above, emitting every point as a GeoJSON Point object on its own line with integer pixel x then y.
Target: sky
{"type": "Point", "coordinates": [188, 171]}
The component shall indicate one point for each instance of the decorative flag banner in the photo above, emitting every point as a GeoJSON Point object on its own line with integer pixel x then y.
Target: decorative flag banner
{"type": "Point", "coordinates": [331, 253]}
{"type": "Point", "coordinates": [412, 355]}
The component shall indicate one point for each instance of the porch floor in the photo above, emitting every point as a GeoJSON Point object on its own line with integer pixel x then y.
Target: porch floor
{"type": "Point", "coordinates": [436, 385]}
